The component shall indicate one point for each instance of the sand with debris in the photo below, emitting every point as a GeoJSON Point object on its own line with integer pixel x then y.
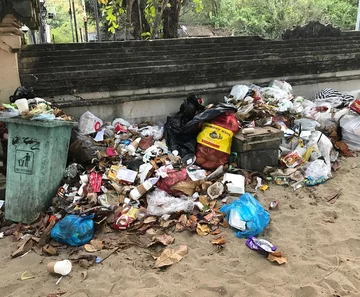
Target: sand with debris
{"type": "Point", "coordinates": [320, 239]}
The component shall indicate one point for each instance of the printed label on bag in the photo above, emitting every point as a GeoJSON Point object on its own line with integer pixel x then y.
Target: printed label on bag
{"type": "Point", "coordinates": [216, 137]}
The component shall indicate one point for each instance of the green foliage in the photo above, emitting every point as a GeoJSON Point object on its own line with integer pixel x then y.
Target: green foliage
{"type": "Point", "coordinates": [269, 18]}
{"type": "Point", "coordinates": [60, 25]}
{"type": "Point", "coordinates": [153, 12]}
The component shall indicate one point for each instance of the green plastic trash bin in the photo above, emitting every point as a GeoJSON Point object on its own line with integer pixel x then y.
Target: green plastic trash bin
{"type": "Point", "coordinates": [36, 159]}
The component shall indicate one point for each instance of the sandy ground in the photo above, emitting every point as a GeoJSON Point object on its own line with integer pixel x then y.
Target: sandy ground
{"type": "Point", "coordinates": [321, 241]}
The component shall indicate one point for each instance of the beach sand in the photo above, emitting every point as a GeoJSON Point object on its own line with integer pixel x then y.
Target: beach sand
{"type": "Point", "coordinates": [321, 241]}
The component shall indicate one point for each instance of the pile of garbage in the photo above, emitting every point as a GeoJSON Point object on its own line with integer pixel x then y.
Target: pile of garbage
{"type": "Point", "coordinates": [26, 105]}
{"type": "Point", "coordinates": [145, 180]}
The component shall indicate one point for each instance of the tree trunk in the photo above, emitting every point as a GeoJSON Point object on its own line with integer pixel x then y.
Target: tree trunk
{"type": "Point", "coordinates": [171, 19]}
{"type": "Point", "coordinates": [157, 21]}
{"type": "Point", "coordinates": [139, 22]}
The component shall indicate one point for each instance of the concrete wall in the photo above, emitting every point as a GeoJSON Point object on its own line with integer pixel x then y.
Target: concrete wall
{"type": "Point", "coordinates": [149, 79]}
{"type": "Point", "coordinates": [9, 72]}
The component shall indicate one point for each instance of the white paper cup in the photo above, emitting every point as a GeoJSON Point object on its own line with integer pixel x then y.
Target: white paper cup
{"type": "Point", "coordinates": [22, 105]}
{"type": "Point", "coordinates": [60, 267]}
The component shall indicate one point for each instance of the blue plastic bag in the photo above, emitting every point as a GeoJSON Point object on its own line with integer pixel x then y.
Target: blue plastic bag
{"type": "Point", "coordinates": [251, 212]}
{"type": "Point", "coordinates": [74, 230]}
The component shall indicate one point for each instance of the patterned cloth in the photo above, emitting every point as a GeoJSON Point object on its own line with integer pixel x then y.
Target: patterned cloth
{"type": "Point", "coordinates": [334, 97]}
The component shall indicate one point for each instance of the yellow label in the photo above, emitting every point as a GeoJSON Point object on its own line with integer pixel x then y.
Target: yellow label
{"type": "Point", "coordinates": [113, 172]}
{"type": "Point", "coordinates": [132, 213]}
{"type": "Point", "coordinates": [216, 137]}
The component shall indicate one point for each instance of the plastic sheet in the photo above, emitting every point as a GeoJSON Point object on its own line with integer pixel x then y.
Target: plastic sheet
{"type": "Point", "coordinates": [161, 203]}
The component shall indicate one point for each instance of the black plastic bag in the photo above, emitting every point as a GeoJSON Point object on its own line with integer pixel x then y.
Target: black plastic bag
{"type": "Point", "coordinates": [174, 124]}
{"type": "Point", "coordinates": [181, 134]}
{"type": "Point", "coordinates": [83, 148]}
{"type": "Point", "coordinates": [22, 92]}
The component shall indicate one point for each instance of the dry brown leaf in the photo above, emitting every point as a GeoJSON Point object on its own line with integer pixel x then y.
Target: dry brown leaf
{"type": "Point", "coordinates": [219, 240]}
{"type": "Point", "coordinates": [168, 223]}
{"type": "Point", "coordinates": [277, 257]}
{"type": "Point", "coordinates": [171, 256]}
{"type": "Point", "coordinates": [193, 218]}
{"type": "Point", "coordinates": [212, 204]}
{"type": "Point", "coordinates": [203, 200]}
{"type": "Point", "coordinates": [150, 220]}
{"type": "Point", "coordinates": [225, 223]}
{"type": "Point", "coordinates": [183, 219]}
{"type": "Point", "coordinates": [90, 248]}
{"type": "Point", "coordinates": [164, 239]}
{"type": "Point", "coordinates": [179, 227]}
{"type": "Point", "coordinates": [49, 250]}
{"type": "Point", "coordinates": [25, 246]}
{"type": "Point", "coordinates": [97, 244]}
{"type": "Point", "coordinates": [202, 230]}
{"type": "Point", "coordinates": [216, 232]}
{"type": "Point", "coordinates": [187, 187]}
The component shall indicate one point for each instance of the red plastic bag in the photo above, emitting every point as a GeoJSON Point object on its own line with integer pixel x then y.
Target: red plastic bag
{"type": "Point", "coordinates": [214, 141]}
{"type": "Point", "coordinates": [174, 176]}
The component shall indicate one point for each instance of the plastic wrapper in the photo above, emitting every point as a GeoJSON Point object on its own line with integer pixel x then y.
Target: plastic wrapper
{"type": "Point", "coordinates": [260, 245]}
{"type": "Point", "coordinates": [292, 159]}
{"type": "Point", "coordinates": [43, 117]}
{"type": "Point", "coordinates": [161, 203]}
{"type": "Point", "coordinates": [248, 210]}
{"type": "Point", "coordinates": [10, 113]}
{"type": "Point", "coordinates": [73, 230]}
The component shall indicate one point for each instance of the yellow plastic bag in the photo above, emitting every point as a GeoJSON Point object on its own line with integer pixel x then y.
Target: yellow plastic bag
{"type": "Point", "coordinates": [216, 137]}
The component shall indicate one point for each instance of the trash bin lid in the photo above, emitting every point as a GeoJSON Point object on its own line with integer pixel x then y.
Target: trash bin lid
{"type": "Point", "coordinates": [45, 124]}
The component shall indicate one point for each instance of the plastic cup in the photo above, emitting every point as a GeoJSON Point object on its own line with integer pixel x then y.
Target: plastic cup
{"type": "Point", "coordinates": [60, 267]}
{"type": "Point", "coordinates": [22, 105]}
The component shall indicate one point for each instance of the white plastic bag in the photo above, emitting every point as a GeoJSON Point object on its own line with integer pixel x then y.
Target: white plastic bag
{"type": "Point", "coordinates": [238, 92]}
{"type": "Point", "coordinates": [274, 94]}
{"type": "Point", "coordinates": [160, 203]}
{"type": "Point", "coordinates": [89, 123]}
{"type": "Point", "coordinates": [156, 131]}
{"type": "Point", "coordinates": [284, 105]}
{"type": "Point", "coordinates": [317, 169]}
{"type": "Point", "coordinates": [121, 122]}
{"type": "Point", "coordinates": [281, 84]}
{"type": "Point", "coordinates": [350, 125]}
{"type": "Point", "coordinates": [324, 146]}
{"type": "Point", "coordinates": [307, 124]}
